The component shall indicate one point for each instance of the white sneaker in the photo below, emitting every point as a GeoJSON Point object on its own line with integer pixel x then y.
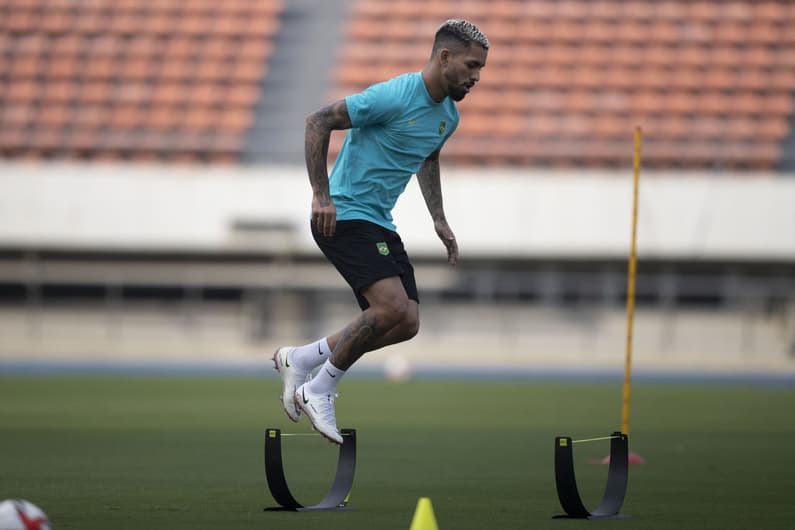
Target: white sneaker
{"type": "Point", "coordinates": [320, 409]}
{"type": "Point", "coordinates": [292, 378]}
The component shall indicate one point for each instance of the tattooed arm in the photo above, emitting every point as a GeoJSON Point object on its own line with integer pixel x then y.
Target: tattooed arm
{"type": "Point", "coordinates": [430, 184]}
{"type": "Point", "coordinates": [318, 132]}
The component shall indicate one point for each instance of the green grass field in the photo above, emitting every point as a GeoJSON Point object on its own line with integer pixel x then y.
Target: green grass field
{"type": "Point", "coordinates": [183, 453]}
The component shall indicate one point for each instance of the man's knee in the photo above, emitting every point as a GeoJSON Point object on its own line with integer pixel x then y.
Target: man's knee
{"type": "Point", "coordinates": [391, 311]}
{"type": "Point", "coordinates": [399, 314]}
{"type": "Point", "coordinates": [408, 320]}
{"type": "Point", "coordinates": [395, 313]}
{"type": "Point", "coordinates": [411, 322]}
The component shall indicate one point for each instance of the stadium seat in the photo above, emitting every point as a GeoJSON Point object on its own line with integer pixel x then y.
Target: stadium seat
{"type": "Point", "coordinates": [566, 82]}
{"type": "Point", "coordinates": [111, 79]}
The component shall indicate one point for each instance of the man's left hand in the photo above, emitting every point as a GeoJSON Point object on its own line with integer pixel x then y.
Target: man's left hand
{"type": "Point", "coordinates": [448, 238]}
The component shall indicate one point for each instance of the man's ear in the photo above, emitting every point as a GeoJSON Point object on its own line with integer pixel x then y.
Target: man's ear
{"type": "Point", "coordinates": [444, 56]}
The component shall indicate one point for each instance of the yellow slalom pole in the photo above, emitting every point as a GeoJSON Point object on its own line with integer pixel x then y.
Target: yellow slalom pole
{"type": "Point", "coordinates": [625, 397]}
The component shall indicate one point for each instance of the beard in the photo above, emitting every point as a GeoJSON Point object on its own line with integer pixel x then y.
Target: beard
{"type": "Point", "coordinates": [457, 93]}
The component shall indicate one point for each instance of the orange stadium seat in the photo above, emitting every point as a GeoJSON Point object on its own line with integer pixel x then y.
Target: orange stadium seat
{"type": "Point", "coordinates": [710, 81]}
{"type": "Point", "coordinates": [110, 79]}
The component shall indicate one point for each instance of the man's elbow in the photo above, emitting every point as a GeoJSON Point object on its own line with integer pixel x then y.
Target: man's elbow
{"type": "Point", "coordinates": [316, 124]}
{"type": "Point", "coordinates": [311, 120]}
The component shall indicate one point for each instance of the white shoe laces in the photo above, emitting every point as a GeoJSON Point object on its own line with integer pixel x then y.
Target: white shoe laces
{"type": "Point", "coordinates": [326, 408]}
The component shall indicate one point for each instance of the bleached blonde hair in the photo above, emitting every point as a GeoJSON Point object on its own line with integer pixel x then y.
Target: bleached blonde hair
{"type": "Point", "coordinates": [461, 30]}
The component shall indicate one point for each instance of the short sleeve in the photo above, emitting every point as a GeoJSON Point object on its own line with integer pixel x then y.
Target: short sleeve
{"type": "Point", "coordinates": [377, 104]}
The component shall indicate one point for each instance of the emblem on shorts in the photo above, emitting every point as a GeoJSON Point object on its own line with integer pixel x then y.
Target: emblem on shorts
{"type": "Point", "coordinates": [382, 248]}
{"type": "Point", "coordinates": [442, 126]}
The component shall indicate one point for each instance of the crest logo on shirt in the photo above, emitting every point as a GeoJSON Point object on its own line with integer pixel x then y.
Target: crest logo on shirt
{"type": "Point", "coordinates": [383, 249]}
{"type": "Point", "coordinates": [442, 126]}
{"type": "Point", "coordinates": [412, 122]}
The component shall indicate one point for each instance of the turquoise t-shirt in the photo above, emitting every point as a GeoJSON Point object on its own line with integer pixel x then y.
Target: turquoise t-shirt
{"type": "Point", "coordinates": [395, 126]}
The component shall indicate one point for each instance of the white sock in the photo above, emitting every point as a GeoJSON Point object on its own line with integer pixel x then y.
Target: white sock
{"type": "Point", "coordinates": [311, 355]}
{"type": "Point", "coordinates": [326, 379]}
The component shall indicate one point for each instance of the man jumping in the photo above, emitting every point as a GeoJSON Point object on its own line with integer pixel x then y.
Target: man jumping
{"type": "Point", "coordinates": [397, 129]}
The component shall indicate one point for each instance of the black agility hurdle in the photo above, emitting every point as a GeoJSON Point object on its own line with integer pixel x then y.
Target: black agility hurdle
{"type": "Point", "coordinates": [337, 497]}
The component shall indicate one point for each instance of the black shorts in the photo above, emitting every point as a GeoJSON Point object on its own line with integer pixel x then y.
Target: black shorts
{"type": "Point", "coordinates": [364, 253]}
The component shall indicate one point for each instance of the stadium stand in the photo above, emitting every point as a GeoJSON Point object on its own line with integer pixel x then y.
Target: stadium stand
{"type": "Point", "coordinates": [124, 79]}
{"type": "Point", "coordinates": [710, 82]}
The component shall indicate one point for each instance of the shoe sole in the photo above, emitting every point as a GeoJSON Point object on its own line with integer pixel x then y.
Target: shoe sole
{"type": "Point", "coordinates": [284, 389]}
{"type": "Point", "coordinates": [314, 427]}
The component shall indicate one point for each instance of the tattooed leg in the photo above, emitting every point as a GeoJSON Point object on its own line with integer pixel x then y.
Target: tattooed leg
{"type": "Point", "coordinates": [356, 339]}
{"type": "Point", "coordinates": [391, 318]}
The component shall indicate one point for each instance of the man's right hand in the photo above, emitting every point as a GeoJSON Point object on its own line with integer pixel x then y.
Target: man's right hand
{"type": "Point", "coordinates": [324, 215]}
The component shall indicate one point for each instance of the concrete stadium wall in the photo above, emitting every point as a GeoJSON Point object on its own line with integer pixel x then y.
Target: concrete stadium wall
{"type": "Point", "coordinates": [494, 212]}
{"type": "Point", "coordinates": [484, 338]}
